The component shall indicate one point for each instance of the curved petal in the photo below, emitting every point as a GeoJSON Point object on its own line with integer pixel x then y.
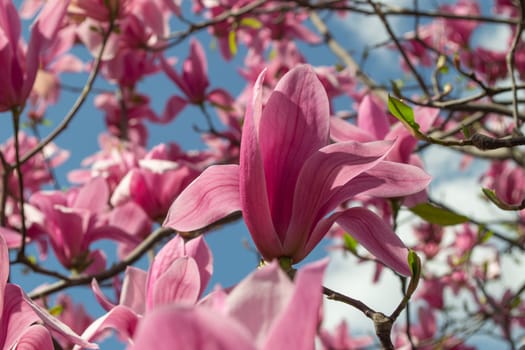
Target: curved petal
{"type": "Point", "coordinates": [322, 176]}
{"type": "Point", "coordinates": [180, 283]}
{"type": "Point", "coordinates": [258, 300]}
{"type": "Point", "coordinates": [252, 183]}
{"type": "Point", "coordinates": [398, 180]}
{"type": "Point", "coordinates": [120, 319]}
{"type": "Point", "coordinates": [12, 238]}
{"type": "Point", "coordinates": [56, 325]}
{"type": "Point", "coordinates": [376, 236]}
{"type": "Point", "coordinates": [294, 124]}
{"type": "Point", "coordinates": [16, 315]}
{"type": "Point", "coordinates": [199, 250]}
{"type": "Point", "coordinates": [301, 316]}
{"type": "Point", "coordinates": [4, 270]}
{"type": "Point", "coordinates": [93, 196]}
{"type": "Point", "coordinates": [210, 197]}
{"type": "Point", "coordinates": [99, 295]}
{"type": "Point", "coordinates": [175, 327]}
{"type": "Point", "coordinates": [36, 337]}
{"type": "Point", "coordinates": [342, 131]}
{"type": "Point", "coordinates": [133, 293]}
{"type": "Point", "coordinates": [372, 118]}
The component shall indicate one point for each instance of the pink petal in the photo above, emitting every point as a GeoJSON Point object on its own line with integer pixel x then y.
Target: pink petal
{"type": "Point", "coordinates": [112, 233]}
{"type": "Point", "coordinates": [258, 300]}
{"type": "Point", "coordinates": [398, 180]}
{"type": "Point", "coordinates": [175, 327]}
{"type": "Point", "coordinates": [133, 293]}
{"type": "Point", "coordinates": [195, 71]}
{"type": "Point", "coordinates": [120, 319]}
{"type": "Point", "coordinates": [180, 283]}
{"type": "Point", "coordinates": [58, 326]}
{"type": "Point", "coordinates": [209, 198]}
{"type": "Point", "coordinates": [130, 218]}
{"type": "Point", "coordinates": [36, 337]}
{"type": "Point", "coordinates": [297, 325]}
{"type": "Point", "coordinates": [177, 248]}
{"type": "Point", "coordinates": [16, 315]}
{"type": "Point", "coordinates": [372, 118]}
{"type": "Point", "coordinates": [341, 131]}
{"type": "Point", "coordinates": [376, 236]}
{"type": "Point", "coordinates": [323, 175]}
{"type": "Point", "coordinates": [4, 270]}
{"type": "Point", "coordinates": [172, 109]}
{"type": "Point", "coordinates": [294, 124]}
{"type": "Point", "coordinates": [199, 250]}
{"type": "Point", "coordinates": [252, 186]}
{"type": "Point", "coordinates": [99, 295]}
{"type": "Point", "coordinates": [42, 33]}
{"type": "Point", "coordinates": [93, 196]}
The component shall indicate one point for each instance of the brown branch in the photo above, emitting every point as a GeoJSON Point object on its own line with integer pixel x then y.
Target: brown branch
{"type": "Point", "coordinates": [510, 59]}
{"type": "Point", "coordinates": [18, 168]}
{"type": "Point", "coordinates": [382, 323]}
{"type": "Point", "coordinates": [394, 38]}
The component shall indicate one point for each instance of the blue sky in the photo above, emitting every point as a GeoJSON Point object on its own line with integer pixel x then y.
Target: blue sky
{"type": "Point", "coordinates": [232, 259]}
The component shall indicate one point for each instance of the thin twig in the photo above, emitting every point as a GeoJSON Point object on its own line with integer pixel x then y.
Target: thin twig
{"type": "Point", "coordinates": [131, 258]}
{"type": "Point", "coordinates": [78, 103]}
{"type": "Point", "coordinates": [510, 59]}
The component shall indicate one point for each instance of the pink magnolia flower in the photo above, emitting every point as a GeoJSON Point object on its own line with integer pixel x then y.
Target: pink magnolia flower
{"type": "Point", "coordinates": [114, 160]}
{"type": "Point", "coordinates": [18, 67]}
{"type": "Point", "coordinates": [155, 183]}
{"type": "Point", "coordinates": [264, 311]}
{"type": "Point", "coordinates": [72, 314]}
{"type": "Point", "coordinates": [373, 124]}
{"type": "Point", "coordinates": [179, 274]}
{"type": "Point", "coordinates": [290, 179]}
{"type": "Point", "coordinates": [193, 81]}
{"type": "Point", "coordinates": [21, 319]}
{"type": "Point", "coordinates": [75, 219]}
{"type": "Point", "coordinates": [35, 171]}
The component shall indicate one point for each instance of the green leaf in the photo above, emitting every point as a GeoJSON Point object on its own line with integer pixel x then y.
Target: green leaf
{"type": "Point", "coordinates": [404, 114]}
{"type": "Point", "coordinates": [437, 215]}
{"type": "Point", "coordinates": [415, 267]}
{"type": "Point", "coordinates": [484, 235]}
{"type": "Point", "coordinates": [515, 302]}
{"type": "Point", "coordinates": [232, 42]}
{"type": "Point", "coordinates": [350, 243]}
{"type": "Point", "coordinates": [466, 131]}
{"type": "Point", "coordinates": [56, 310]}
{"type": "Point", "coordinates": [251, 22]}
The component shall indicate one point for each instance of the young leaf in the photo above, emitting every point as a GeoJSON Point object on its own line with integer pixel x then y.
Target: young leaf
{"type": "Point", "coordinates": [251, 22]}
{"type": "Point", "coordinates": [437, 215]}
{"type": "Point", "coordinates": [404, 114]}
{"type": "Point", "coordinates": [232, 42]}
{"type": "Point", "coordinates": [415, 267]}
{"type": "Point", "coordinates": [350, 243]}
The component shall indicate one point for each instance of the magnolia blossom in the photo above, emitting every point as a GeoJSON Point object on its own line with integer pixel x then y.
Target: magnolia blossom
{"type": "Point", "coordinates": [290, 179]}
{"type": "Point", "coordinates": [74, 220]}
{"type": "Point", "coordinates": [18, 68]}
{"type": "Point", "coordinates": [178, 276]}
{"type": "Point", "coordinates": [21, 320]}
{"type": "Point", "coordinates": [265, 311]}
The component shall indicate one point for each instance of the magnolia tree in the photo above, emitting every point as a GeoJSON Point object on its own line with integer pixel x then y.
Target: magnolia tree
{"type": "Point", "coordinates": [343, 150]}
